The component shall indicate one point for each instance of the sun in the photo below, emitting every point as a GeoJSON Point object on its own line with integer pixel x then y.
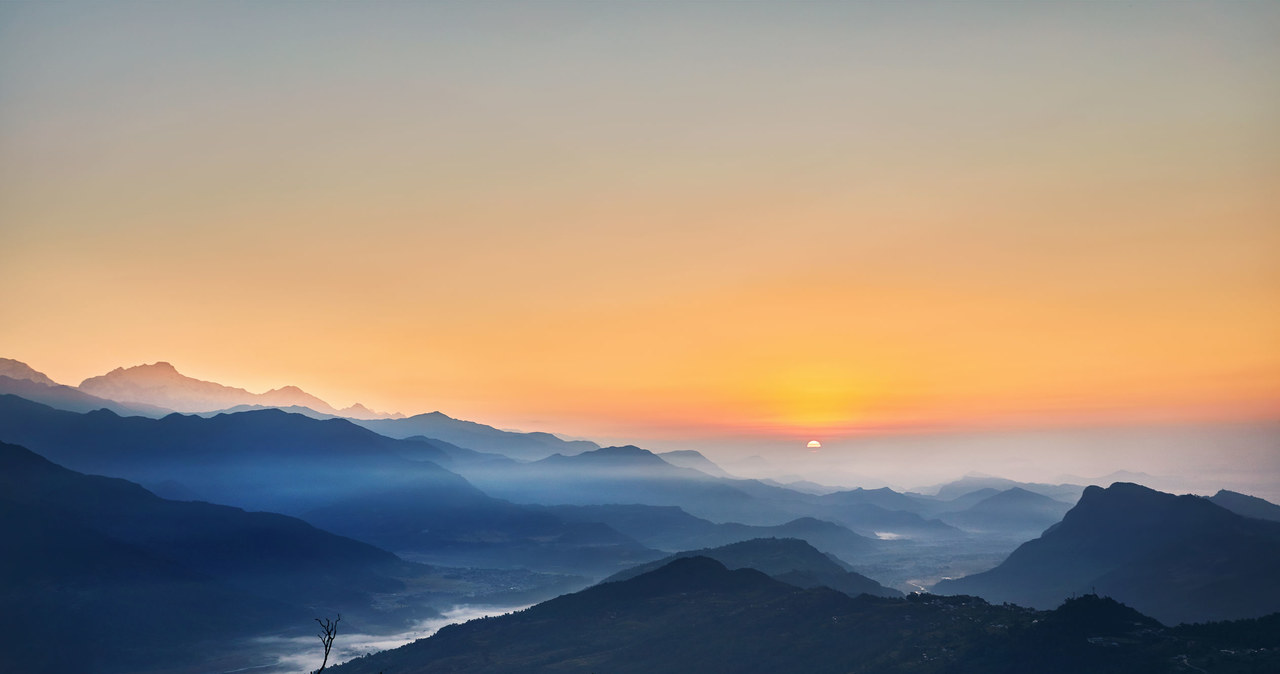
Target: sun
{"type": "Point", "coordinates": [814, 444]}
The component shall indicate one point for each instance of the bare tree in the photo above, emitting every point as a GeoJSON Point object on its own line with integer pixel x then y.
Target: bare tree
{"type": "Point", "coordinates": [328, 630]}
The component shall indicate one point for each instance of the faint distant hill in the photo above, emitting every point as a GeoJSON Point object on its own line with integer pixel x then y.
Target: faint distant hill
{"type": "Point", "coordinates": [753, 466]}
{"type": "Point", "coordinates": [1249, 506]}
{"type": "Point", "coordinates": [1109, 478]}
{"type": "Point", "coordinates": [883, 497]}
{"type": "Point", "coordinates": [1015, 511]}
{"type": "Point", "coordinates": [696, 615]}
{"type": "Point", "coordinates": [806, 486]}
{"type": "Point", "coordinates": [150, 582]}
{"type": "Point", "coordinates": [934, 506]}
{"type": "Point", "coordinates": [472, 435]}
{"type": "Point", "coordinates": [874, 512]}
{"type": "Point", "coordinates": [671, 529]}
{"type": "Point", "coordinates": [789, 560]}
{"type": "Point", "coordinates": [688, 458]}
{"type": "Point", "coordinates": [1069, 493]}
{"type": "Point", "coordinates": [629, 475]}
{"type": "Point", "coordinates": [161, 384]}
{"type": "Point", "coordinates": [1177, 558]}
{"type": "Point", "coordinates": [632, 475]}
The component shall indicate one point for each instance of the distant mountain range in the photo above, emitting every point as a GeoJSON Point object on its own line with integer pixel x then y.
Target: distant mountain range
{"type": "Point", "coordinates": [1177, 558]}
{"type": "Point", "coordinates": [1068, 493]}
{"type": "Point", "coordinates": [632, 475]}
{"type": "Point", "coordinates": [332, 473]}
{"type": "Point", "coordinates": [695, 615]}
{"type": "Point", "coordinates": [526, 446]}
{"type": "Point", "coordinates": [158, 389]}
{"type": "Point", "coordinates": [623, 475]}
{"type": "Point", "coordinates": [160, 384]}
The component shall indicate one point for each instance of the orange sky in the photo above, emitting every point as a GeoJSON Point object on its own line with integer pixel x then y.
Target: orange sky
{"type": "Point", "coordinates": [654, 220]}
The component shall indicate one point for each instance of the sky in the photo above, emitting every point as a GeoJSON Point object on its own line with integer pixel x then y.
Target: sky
{"type": "Point", "coordinates": [665, 222]}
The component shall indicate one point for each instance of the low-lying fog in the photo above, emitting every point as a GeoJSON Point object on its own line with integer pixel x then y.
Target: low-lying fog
{"type": "Point", "coordinates": [304, 654]}
{"type": "Point", "coordinates": [1198, 459]}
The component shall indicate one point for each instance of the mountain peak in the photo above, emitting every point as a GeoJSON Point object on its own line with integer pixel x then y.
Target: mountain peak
{"type": "Point", "coordinates": [693, 573]}
{"type": "Point", "coordinates": [161, 384]}
{"type": "Point", "coordinates": [1248, 506]}
{"type": "Point", "coordinates": [629, 454]}
{"type": "Point", "coordinates": [1175, 558]}
{"type": "Point", "coordinates": [16, 369]}
{"type": "Point", "coordinates": [157, 370]}
{"type": "Point", "coordinates": [623, 450]}
{"type": "Point", "coordinates": [160, 368]}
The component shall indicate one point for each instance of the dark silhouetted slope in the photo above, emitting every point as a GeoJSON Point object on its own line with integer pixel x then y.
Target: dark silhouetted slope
{"type": "Point", "coordinates": [145, 579]}
{"type": "Point", "coordinates": [695, 615]}
{"type": "Point", "coordinates": [1248, 506]}
{"type": "Point", "coordinates": [1177, 558]}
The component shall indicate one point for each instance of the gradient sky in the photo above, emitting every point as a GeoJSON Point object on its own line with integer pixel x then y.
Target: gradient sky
{"type": "Point", "coordinates": [656, 220]}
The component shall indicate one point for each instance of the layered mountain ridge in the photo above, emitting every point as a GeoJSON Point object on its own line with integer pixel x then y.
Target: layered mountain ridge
{"type": "Point", "coordinates": [1177, 558]}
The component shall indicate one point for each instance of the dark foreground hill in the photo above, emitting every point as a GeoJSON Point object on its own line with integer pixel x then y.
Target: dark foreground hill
{"type": "Point", "coordinates": [1177, 558]}
{"type": "Point", "coordinates": [789, 560]}
{"type": "Point", "coordinates": [134, 581]}
{"type": "Point", "coordinates": [695, 615]}
{"type": "Point", "coordinates": [100, 575]}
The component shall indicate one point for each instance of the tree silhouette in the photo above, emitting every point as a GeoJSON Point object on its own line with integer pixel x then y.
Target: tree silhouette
{"type": "Point", "coordinates": [328, 630]}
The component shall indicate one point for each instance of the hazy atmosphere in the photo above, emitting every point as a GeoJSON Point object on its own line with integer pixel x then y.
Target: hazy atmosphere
{"type": "Point", "coordinates": [793, 336]}
{"type": "Point", "coordinates": [655, 220]}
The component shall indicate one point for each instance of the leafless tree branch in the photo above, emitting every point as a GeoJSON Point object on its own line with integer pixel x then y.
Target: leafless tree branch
{"type": "Point", "coordinates": [328, 630]}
